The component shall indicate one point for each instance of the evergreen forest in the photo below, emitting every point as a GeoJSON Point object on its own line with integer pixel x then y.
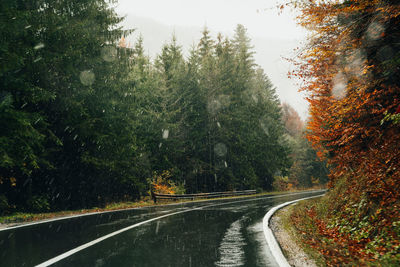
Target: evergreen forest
{"type": "Point", "coordinates": [87, 119]}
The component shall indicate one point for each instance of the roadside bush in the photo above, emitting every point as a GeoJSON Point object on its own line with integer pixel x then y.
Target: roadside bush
{"type": "Point", "coordinates": [4, 207]}
{"type": "Point", "coordinates": [162, 184]}
{"type": "Point", "coordinates": [281, 183]}
{"type": "Point", "coordinates": [38, 204]}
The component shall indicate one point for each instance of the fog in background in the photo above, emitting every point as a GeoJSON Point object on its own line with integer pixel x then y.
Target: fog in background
{"type": "Point", "coordinates": [274, 36]}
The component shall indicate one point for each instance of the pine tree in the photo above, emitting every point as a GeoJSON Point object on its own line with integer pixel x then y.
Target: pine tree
{"type": "Point", "coordinates": [243, 52]}
{"type": "Point", "coordinates": [61, 85]}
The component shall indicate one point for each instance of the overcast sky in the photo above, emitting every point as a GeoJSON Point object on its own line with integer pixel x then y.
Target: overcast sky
{"type": "Point", "coordinates": [260, 17]}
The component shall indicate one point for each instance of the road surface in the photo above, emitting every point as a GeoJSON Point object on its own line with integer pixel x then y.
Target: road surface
{"type": "Point", "coordinates": [208, 233]}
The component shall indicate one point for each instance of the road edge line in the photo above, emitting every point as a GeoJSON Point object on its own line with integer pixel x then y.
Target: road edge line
{"type": "Point", "coordinates": [273, 244]}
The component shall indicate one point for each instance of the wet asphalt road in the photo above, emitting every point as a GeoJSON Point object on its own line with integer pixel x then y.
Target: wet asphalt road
{"type": "Point", "coordinates": [208, 233]}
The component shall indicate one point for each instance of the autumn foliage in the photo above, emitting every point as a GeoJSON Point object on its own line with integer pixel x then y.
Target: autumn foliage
{"type": "Point", "coordinates": [162, 183]}
{"type": "Point", "coordinates": [350, 71]}
{"type": "Point", "coordinates": [291, 119]}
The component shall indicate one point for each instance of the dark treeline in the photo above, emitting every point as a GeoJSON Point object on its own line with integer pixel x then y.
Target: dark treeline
{"type": "Point", "coordinates": [86, 120]}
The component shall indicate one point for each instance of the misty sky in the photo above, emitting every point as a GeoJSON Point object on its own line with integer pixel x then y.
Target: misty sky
{"type": "Point", "coordinates": [273, 35]}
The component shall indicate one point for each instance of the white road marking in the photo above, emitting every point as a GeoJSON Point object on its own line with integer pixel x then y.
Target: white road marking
{"type": "Point", "coordinates": [269, 235]}
{"type": "Point", "coordinates": [91, 243]}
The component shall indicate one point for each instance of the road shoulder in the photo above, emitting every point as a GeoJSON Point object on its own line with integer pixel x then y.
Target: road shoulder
{"type": "Point", "coordinates": [284, 234]}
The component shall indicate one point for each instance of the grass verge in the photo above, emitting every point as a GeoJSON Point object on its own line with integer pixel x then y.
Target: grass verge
{"type": "Point", "coordinates": [22, 217]}
{"type": "Point", "coordinates": [286, 222]}
{"type": "Point", "coordinates": [311, 232]}
{"type": "Point", "coordinates": [312, 226]}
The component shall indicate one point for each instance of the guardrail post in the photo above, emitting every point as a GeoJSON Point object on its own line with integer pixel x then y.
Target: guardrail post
{"type": "Point", "coordinates": [153, 196]}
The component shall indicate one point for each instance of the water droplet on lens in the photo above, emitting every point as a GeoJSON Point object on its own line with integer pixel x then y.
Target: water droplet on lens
{"type": "Point", "coordinates": [265, 123]}
{"type": "Point", "coordinates": [157, 227]}
{"type": "Point", "coordinates": [38, 46]}
{"type": "Point", "coordinates": [165, 134]}
{"type": "Point", "coordinates": [339, 86]}
{"type": "Point", "coordinates": [109, 53]}
{"type": "Point", "coordinates": [26, 182]}
{"type": "Point", "coordinates": [375, 30]}
{"type": "Point", "coordinates": [87, 77]}
{"type": "Point", "coordinates": [220, 149]}
{"type": "Point", "coordinates": [213, 106]}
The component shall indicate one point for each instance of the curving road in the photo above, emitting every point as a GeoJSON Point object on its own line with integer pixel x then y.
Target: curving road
{"type": "Point", "coordinates": [207, 233]}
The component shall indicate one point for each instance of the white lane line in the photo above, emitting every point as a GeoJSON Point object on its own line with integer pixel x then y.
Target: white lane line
{"type": "Point", "coordinates": [88, 214]}
{"type": "Point", "coordinates": [269, 235]}
{"type": "Point", "coordinates": [109, 211]}
{"type": "Point", "coordinates": [91, 213]}
{"type": "Point", "coordinates": [91, 243]}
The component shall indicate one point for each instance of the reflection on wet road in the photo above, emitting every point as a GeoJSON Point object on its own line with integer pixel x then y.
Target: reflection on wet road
{"type": "Point", "coordinates": [231, 248]}
{"type": "Point", "coordinates": [212, 233]}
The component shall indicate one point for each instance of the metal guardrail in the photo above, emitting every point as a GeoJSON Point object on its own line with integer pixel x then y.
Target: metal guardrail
{"type": "Point", "coordinates": [156, 196]}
